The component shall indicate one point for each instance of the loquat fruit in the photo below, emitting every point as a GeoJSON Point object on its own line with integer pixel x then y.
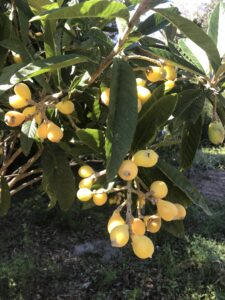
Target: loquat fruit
{"type": "Point", "coordinates": [128, 170]}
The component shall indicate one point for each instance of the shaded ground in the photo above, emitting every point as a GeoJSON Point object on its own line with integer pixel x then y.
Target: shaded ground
{"type": "Point", "coordinates": [48, 255]}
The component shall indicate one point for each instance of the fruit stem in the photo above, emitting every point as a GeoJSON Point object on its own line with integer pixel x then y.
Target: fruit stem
{"type": "Point", "coordinates": [129, 206]}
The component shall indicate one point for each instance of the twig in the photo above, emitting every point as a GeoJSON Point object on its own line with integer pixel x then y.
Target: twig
{"type": "Point", "coordinates": [22, 176]}
{"type": "Point", "coordinates": [129, 206]}
{"type": "Point", "coordinates": [24, 168]}
{"type": "Point", "coordinates": [139, 180]}
{"type": "Point", "coordinates": [144, 6]}
{"type": "Point", "coordinates": [8, 162]}
{"type": "Point", "coordinates": [24, 185]}
{"type": "Point", "coordinates": [141, 57]}
{"type": "Point", "coordinates": [72, 123]}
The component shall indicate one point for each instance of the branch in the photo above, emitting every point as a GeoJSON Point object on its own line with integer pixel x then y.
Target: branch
{"type": "Point", "coordinates": [144, 6]}
{"type": "Point", "coordinates": [141, 57]}
{"type": "Point", "coordinates": [24, 185]}
{"type": "Point", "coordinates": [25, 167]}
{"type": "Point", "coordinates": [8, 162]}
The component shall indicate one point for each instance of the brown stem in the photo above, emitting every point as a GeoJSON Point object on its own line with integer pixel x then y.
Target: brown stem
{"type": "Point", "coordinates": [22, 176]}
{"type": "Point", "coordinates": [141, 57]}
{"type": "Point", "coordinates": [142, 8]}
{"type": "Point", "coordinates": [9, 161]}
{"type": "Point", "coordinates": [129, 206]}
{"type": "Point", "coordinates": [72, 123]}
{"type": "Point", "coordinates": [24, 185]}
{"type": "Point", "coordinates": [24, 168]}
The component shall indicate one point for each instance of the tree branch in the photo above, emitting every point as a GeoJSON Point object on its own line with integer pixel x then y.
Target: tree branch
{"type": "Point", "coordinates": [144, 6]}
{"type": "Point", "coordinates": [24, 185]}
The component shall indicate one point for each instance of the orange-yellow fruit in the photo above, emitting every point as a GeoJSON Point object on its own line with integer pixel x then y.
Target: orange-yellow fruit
{"type": "Point", "coordinates": [30, 112]}
{"type": "Point", "coordinates": [17, 58]}
{"type": "Point", "coordinates": [14, 118]}
{"type": "Point", "coordinates": [139, 105]}
{"type": "Point", "coordinates": [140, 82]}
{"type": "Point", "coordinates": [169, 85]}
{"type": "Point", "coordinates": [86, 182]}
{"type": "Point", "coordinates": [17, 102]}
{"type": "Point", "coordinates": [166, 210]}
{"type": "Point", "coordinates": [115, 221]}
{"type": "Point", "coordinates": [119, 236]}
{"type": "Point", "coordinates": [155, 74]}
{"type": "Point", "coordinates": [159, 189]}
{"type": "Point", "coordinates": [142, 246]}
{"type": "Point", "coordinates": [143, 94]}
{"type": "Point", "coordinates": [85, 171]}
{"type": "Point", "coordinates": [42, 131]}
{"type": "Point", "coordinates": [54, 133]}
{"type": "Point", "coordinates": [22, 90]}
{"type": "Point", "coordinates": [181, 211]}
{"type": "Point", "coordinates": [84, 194]}
{"type": "Point", "coordinates": [216, 132]}
{"type": "Point", "coordinates": [105, 96]}
{"type": "Point", "coordinates": [171, 73]}
{"type": "Point", "coordinates": [145, 158]}
{"type": "Point", "coordinates": [65, 107]}
{"type": "Point", "coordinates": [128, 170]}
{"type": "Point", "coordinates": [138, 226]}
{"type": "Point", "coordinates": [100, 198]}
{"type": "Point", "coordinates": [153, 223]}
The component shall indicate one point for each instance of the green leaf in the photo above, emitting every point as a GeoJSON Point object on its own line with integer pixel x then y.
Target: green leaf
{"type": "Point", "coordinates": [195, 33]}
{"type": "Point", "coordinates": [184, 184]}
{"type": "Point", "coordinates": [219, 72]}
{"type": "Point", "coordinates": [189, 105]}
{"type": "Point", "coordinates": [47, 65]}
{"type": "Point", "coordinates": [93, 138]}
{"type": "Point", "coordinates": [217, 25]}
{"type": "Point", "coordinates": [152, 118]}
{"type": "Point", "coordinates": [87, 9]}
{"type": "Point", "coordinates": [175, 228]}
{"type": "Point", "coordinates": [58, 180]}
{"type": "Point", "coordinates": [153, 23]}
{"type": "Point", "coordinates": [41, 6]}
{"type": "Point", "coordinates": [122, 116]}
{"type": "Point", "coordinates": [191, 137]}
{"type": "Point", "coordinates": [5, 201]}
{"type": "Point", "coordinates": [28, 131]}
{"type": "Point", "coordinates": [189, 54]}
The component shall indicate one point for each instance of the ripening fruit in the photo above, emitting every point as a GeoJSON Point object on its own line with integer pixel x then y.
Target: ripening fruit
{"type": "Point", "coordinates": [84, 194]}
{"type": "Point", "coordinates": [29, 111]}
{"type": "Point", "coordinates": [65, 107]}
{"type": "Point", "coordinates": [14, 118]}
{"type": "Point", "coordinates": [153, 223]}
{"type": "Point", "coordinates": [159, 189]}
{"type": "Point", "coordinates": [145, 158]}
{"type": "Point", "coordinates": [42, 131]}
{"type": "Point", "coordinates": [181, 211]}
{"type": "Point", "coordinates": [139, 104]}
{"type": "Point", "coordinates": [166, 210]}
{"type": "Point", "coordinates": [86, 182]}
{"type": "Point", "coordinates": [54, 132]}
{"type": "Point", "coordinates": [142, 246]}
{"type": "Point", "coordinates": [22, 90]}
{"type": "Point", "coordinates": [155, 74]}
{"type": "Point", "coordinates": [138, 226]}
{"type": "Point", "coordinates": [143, 94]}
{"type": "Point", "coordinates": [17, 102]}
{"type": "Point", "coordinates": [128, 170]}
{"type": "Point", "coordinates": [115, 221]}
{"type": "Point", "coordinates": [140, 82]}
{"type": "Point", "coordinates": [100, 198]}
{"type": "Point", "coordinates": [85, 171]}
{"type": "Point", "coordinates": [119, 236]}
{"type": "Point", "coordinates": [216, 132]}
{"type": "Point", "coordinates": [171, 73]}
{"type": "Point", "coordinates": [169, 85]}
{"type": "Point", "coordinates": [16, 58]}
{"type": "Point", "coordinates": [105, 96]}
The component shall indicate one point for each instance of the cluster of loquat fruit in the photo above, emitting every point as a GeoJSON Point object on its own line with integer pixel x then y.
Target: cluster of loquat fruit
{"type": "Point", "coordinates": [35, 110]}
{"type": "Point", "coordinates": [153, 74]}
{"type": "Point", "coordinates": [134, 227]}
